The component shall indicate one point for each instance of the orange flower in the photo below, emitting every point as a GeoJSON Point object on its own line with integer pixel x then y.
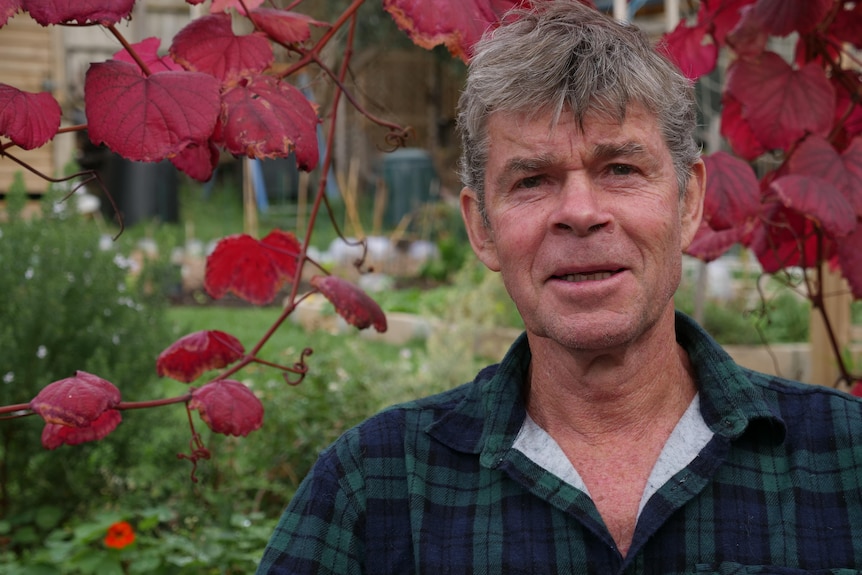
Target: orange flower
{"type": "Point", "coordinates": [119, 535]}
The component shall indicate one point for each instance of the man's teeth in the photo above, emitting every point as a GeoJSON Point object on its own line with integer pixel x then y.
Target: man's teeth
{"type": "Point", "coordinates": [587, 277]}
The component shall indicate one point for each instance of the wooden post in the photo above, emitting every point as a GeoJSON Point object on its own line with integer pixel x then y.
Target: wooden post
{"type": "Point", "coordinates": [836, 301]}
{"type": "Point", "coordinates": [249, 200]}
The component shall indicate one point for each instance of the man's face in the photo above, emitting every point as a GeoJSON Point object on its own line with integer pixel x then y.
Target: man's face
{"type": "Point", "coordinates": [587, 229]}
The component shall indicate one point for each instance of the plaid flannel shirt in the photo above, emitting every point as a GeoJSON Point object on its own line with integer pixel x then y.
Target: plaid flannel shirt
{"type": "Point", "coordinates": [435, 487]}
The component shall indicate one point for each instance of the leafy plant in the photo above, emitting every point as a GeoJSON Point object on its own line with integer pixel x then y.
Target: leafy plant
{"type": "Point", "coordinates": [217, 89]}
{"type": "Point", "coordinates": [802, 114]}
{"type": "Point", "coordinates": [67, 305]}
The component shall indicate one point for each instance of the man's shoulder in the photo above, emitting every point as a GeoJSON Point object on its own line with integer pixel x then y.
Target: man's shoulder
{"type": "Point", "coordinates": [806, 407]}
{"type": "Point", "coordinates": [389, 426]}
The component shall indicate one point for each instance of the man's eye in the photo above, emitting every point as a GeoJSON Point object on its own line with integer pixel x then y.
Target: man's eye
{"type": "Point", "coordinates": [531, 182]}
{"type": "Point", "coordinates": [622, 170]}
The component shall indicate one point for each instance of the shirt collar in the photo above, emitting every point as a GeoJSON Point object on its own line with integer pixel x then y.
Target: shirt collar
{"type": "Point", "coordinates": [730, 401]}
{"type": "Point", "coordinates": [487, 419]}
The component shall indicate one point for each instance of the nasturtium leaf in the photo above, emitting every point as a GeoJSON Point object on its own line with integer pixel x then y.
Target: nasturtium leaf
{"type": "Point", "coordinates": [148, 51]}
{"type": "Point", "coordinates": [8, 8]}
{"type": "Point", "coordinates": [54, 435]}
{"type": "Point", "coordinates": [687, 47]}
{"type": "Point", "coordinates": [208, 44]}
{"type": "Point", "coordinates": [732, 191]}
{"type": "Point", "coordinates": [190, 356]}
{"type": "Point", "coordinates": [228, 407]}
{"type": "Point", "coordinates": [736, 130]}
{"type": "Point", "coordinates": [283, 26]}
{"type": "Point", "coordinates": [29, 120]}
{"type": "Point", "coordinates": [149, 118]}
{"type": "Point", "coordinates": [76, 401]}
{"type": "Point", "coordinates": [269, 118]}
{"type": "Point", "coordinates": [850, 259]}
{"type": "Point", "coordinates": [817, 199]}
{"type": "Point", "coordinates": [248, 268]}
{"type": "Point", "coordinates": [223, 5]}
{"type": "Point", "coordinates": [785, 16]}
{"type": "Point", "coordinates": [104, 12]}
{"type": "Point", "coordinates": [456, 24]}
{"type": "Point", "coordinates": [815, 156]}
{"type": "Point", "coordinates": [351, 303]}
{"type": "Point", "coordinates": [779, 103]}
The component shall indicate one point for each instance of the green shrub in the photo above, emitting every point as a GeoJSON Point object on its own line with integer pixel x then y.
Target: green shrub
{"type": "Point", "coordinates": [68, 305]}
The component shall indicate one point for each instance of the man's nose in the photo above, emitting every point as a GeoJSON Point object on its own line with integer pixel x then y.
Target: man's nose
{"type": "Point", "coordinates": [581, 207]}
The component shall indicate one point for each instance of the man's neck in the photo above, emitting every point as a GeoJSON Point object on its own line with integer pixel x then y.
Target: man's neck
{"type": "Point", "coordinates": [600, 396]}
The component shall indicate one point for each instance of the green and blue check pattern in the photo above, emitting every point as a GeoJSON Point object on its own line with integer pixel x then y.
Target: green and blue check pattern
{"type": "Point", "coordinates": [434, 487]}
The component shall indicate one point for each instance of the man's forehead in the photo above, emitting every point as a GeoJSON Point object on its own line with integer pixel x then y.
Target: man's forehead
{"type": "Point", "coordinates": [603, 133]}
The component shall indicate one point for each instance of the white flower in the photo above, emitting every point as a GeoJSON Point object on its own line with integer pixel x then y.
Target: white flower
{"type": "Point", "coordinates": [41, 352]}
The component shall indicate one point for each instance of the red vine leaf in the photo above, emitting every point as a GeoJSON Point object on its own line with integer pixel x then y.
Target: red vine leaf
{"type": "Point", "coordinates": [457, 24]}
{"type": "Point", "coordinates": [8, 8]}
{"type": "Point", "coordinates": [351, 303]}
{"type": "Point", "coordinates": [209, 45]}
{"type": "Point", "coordinates": [782, 17]}
{"type": "Point", "coordinates": [250, 269]}
{"type": "Point", "coordinates": [76, 401]}
{"type": "Point", "coordinates": [228, 407]}
{"type": "Point", "coordinates": [850, 258]}
{"type": "Point", "coordinates": [283, 26]}
{"type": "Point", "coordinates": [686, 46]}
{"type": "Point", "coordinates": [54, 435]}
{"type": "Point", "coordinates": [149, 118]}
{"type": "Point", "coordinates": [732, 191]}
{"type": "Point", "coordinates": [29, 120]}
{"type": "Point", "coordinates": [199, 161]}
{"type": "Point", "coordinates": [190, 356]}
{"type": "Point", "coordinates": [104, 12]}
{"type": "Point", "coordinates": [847, 25]}
{"type": "Point", "coordinates": [779, 103]}
{"type": "Point", "coordinates": [223, 5]}
{"type": "Point", "coordinates": [739, 134]}
{"type": "Point", "coordinates": [785, 238]}
{"type": "Point", "coordinates": [748, 38]}
{"type": "Point", "coordinates": [848, 114]}
{"type": "Point", "coordinates": [284, 250]}
{"type": "Point", "coordinates": [709, 244]}
{"type": "Point", "coordinates": [818, 200]}
{"type": "Point", "coordinates": [816, 157]}
{"type": "Point", "coordinates": [268, 118]}
{"type": "Point", "coordinates": [721, 16]}
{"type": "Point", "coordinates": [148, 51]}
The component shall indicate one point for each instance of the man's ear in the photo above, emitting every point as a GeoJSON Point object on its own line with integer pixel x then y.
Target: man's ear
{"type": "Point", "coordinates": [692, 205]}
{"type": "Point", "coordinates": [480, 233]}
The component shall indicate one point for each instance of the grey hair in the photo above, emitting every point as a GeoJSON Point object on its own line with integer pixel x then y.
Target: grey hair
{"type": "Point", "coordinates": [565, 56]}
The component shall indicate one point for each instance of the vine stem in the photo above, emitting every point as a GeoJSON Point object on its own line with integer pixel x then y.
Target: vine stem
{"type": "Point", "coordinates": [817, 301]}
{"type": "Point", "coordinates": [128, 405]}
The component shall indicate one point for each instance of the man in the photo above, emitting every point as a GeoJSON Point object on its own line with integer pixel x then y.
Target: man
{"type": "Point", "coordinates": [615, 436]}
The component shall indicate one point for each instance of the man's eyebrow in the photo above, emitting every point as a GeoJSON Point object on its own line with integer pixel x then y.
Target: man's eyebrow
{"type": "Point", "coordinates": [521, 165]}
{"type": "Point", "coordinates": [619, 150]}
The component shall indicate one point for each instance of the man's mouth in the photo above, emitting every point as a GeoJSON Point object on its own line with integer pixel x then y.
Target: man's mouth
{"type": "Point", "coordinates": [587, 277]}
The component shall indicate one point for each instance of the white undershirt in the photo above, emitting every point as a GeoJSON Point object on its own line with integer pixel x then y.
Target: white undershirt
{"type": "Point", "coordinates": [687, 439]}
